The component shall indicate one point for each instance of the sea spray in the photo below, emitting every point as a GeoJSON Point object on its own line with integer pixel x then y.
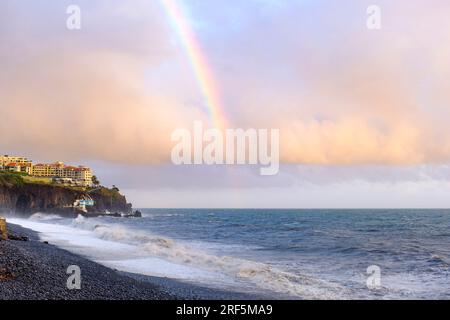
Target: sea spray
{"type": "Point", "coordinates": [245, 272]}
{"type": "Point", "coordinates": [315, 254]}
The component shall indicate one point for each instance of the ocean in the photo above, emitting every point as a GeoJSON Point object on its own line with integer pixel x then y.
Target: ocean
{"type": "Point", "coordinates": [283, 254]}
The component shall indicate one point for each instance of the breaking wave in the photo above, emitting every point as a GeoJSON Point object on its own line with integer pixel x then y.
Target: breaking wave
{"type": "Point", "coordinates": [271, 253]}
{"type": "Point", "coordinates": [44, 217]}
{"type": "Point", "coordinates": [263, 275]}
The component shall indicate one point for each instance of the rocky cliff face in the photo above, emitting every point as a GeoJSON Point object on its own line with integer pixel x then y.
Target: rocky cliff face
{"type": "Point", "coordinates": [111, 200]}
{"type": "Point", "coordinates": [31, 198]}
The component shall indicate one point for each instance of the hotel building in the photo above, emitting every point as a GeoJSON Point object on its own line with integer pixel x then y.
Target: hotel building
{"type": "Point", "coordinates": [57, 171]}
{"type": "Point", "coordinates": [16, 164]}
{"type": "Point", "coordinates": [4, 160]}
{"type": "Point", "coordinates": [79, 175]}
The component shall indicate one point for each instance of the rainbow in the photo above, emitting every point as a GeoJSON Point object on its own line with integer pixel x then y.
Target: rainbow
{"type": "Point", "coordinates": [198, 61]}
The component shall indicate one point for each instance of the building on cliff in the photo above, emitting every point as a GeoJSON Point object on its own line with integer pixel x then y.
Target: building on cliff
{"type": "Point", "coordinates": [19, 167]}
{"type": "Point", "coordinates": [62, 173]}
{"type": "Point", "coordinates": [58, 171]}
{"type": "Point", "coordinates": [4, 160]}
{"type": "Point", "coordinates": [16, 164]}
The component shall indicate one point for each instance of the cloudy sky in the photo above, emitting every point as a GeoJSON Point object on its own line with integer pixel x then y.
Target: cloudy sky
{"type": "Point", "coordinates": [363, 114]}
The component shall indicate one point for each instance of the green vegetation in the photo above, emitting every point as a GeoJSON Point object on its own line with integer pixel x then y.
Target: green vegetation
{"type": "Point", "coordinates": [11, 179]}
{"type": "Point", "coordinates": [95, 181]}
{"type": "Point", "coordinates": [37, 180]}
{"type": "Point", "coordinates": [105, 192]}
{"type": "Point", "coordinates": [18, 179]}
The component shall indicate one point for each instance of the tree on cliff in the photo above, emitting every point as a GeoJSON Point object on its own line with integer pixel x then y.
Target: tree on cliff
{"type": "Point", "coordinates": [95, 181]}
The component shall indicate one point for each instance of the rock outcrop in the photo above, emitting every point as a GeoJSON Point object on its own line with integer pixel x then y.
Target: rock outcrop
{"type": "Point", "coordinates": [29, 198]}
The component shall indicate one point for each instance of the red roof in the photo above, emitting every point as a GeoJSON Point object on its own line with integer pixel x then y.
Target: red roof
{"type": "Point", "coordinates": [56, 165]}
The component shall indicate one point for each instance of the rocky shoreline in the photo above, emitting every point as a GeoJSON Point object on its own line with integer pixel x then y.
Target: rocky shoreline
{"type": "Point", "coordinates": [31, 269]}
{"type": "Point", "coordinates": [34, 270]}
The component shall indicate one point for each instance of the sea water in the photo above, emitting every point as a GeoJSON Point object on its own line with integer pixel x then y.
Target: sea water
{"type": "Point", "coordinates": [304, 254]}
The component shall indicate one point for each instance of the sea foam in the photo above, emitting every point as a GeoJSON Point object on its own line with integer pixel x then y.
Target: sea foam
{"type": "Point", "coordinates": [143, 252]}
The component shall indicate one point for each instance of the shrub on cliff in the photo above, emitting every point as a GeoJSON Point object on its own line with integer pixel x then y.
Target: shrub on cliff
{"type": "Point", "coordinates": [105, 192]}
{"type": "Point", "coordinates": [10, 179]}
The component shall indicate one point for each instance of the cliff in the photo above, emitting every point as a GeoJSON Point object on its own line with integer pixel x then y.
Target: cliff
{"type": "Point", "coordinates": [28, 198]}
